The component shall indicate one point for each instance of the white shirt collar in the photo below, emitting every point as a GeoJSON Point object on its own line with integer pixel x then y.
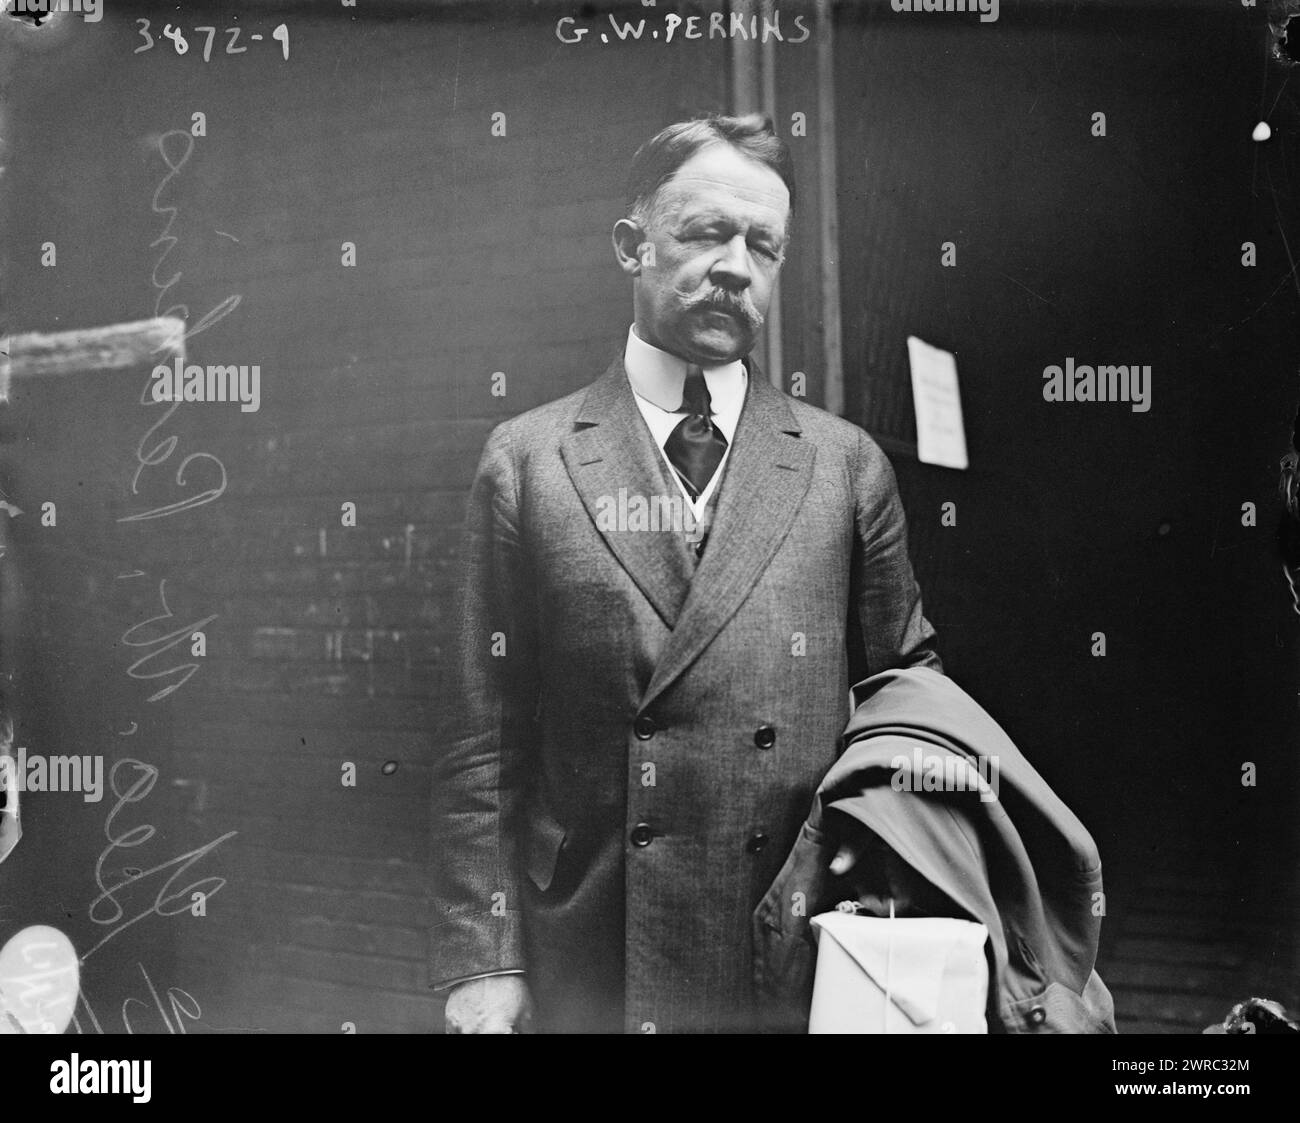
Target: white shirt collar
{"type": "Point", "coordinates": [658, 377]}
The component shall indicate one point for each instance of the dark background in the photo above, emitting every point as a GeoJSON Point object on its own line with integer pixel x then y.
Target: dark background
{"type": "Point", "coordinates": [478, 254]}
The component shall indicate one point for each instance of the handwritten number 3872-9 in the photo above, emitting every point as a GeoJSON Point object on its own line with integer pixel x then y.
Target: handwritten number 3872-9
{"type": "Point", "coordinates": [177, 37]}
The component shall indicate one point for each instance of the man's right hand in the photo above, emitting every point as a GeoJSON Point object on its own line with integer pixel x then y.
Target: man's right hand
{"type": "Point", "coordinates": [495, 1004]}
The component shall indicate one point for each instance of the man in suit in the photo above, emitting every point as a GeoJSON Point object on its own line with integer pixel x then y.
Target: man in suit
{"type": "Point", "coordinates": [641, 708]}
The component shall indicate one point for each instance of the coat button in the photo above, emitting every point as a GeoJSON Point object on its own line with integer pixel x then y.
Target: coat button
{"type": "Point", "coordinates": [756, 843]}
{"type": "Point", "coordinates": [1037, 1015]}
{"type": "Point", "coordinates": [642, 834]}
{"type": "Point", "coordinates": [644, 727]}
{"type": "Point", "coordinates": [765, 736]}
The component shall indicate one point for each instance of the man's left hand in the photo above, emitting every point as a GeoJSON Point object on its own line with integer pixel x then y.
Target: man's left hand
{"type": "Point", "coordinates": [848, 855]}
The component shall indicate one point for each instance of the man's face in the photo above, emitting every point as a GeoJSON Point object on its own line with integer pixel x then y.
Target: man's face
{"type": "Point", "coordinates": [718, 236]}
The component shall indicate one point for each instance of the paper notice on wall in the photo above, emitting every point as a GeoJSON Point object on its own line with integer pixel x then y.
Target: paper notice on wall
{"type": "Point", "coordinates": [940, 435]}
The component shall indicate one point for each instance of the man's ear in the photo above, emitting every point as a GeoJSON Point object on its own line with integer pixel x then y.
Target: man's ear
{"type": "Point", "coordinates": [632, 248]}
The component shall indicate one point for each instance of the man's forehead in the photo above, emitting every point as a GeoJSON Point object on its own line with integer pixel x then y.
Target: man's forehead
{"type": "Point", "coordinates": [719, 176]}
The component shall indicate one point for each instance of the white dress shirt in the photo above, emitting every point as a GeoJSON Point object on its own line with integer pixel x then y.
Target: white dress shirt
{"type": "Point", "coordinates": [657, 380]}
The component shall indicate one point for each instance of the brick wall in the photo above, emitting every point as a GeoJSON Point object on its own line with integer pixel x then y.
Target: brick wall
{"type": "Point", "coordinates": [474, 254]}
{"type": "Point", "coordinates": [478, 254]}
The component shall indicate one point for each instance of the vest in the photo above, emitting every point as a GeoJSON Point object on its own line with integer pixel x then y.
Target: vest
{"type": "Point", "coordinates": [692, 539]}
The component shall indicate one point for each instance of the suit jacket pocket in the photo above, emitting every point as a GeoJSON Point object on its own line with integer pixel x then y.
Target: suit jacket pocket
{"type": "Point", "coordinates": [543, 840]}
{"type": "Point", "coordinates": [783, 950]}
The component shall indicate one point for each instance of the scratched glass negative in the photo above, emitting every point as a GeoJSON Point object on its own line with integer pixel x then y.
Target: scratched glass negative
{"type": "Point", "coordinates": [535, 517]}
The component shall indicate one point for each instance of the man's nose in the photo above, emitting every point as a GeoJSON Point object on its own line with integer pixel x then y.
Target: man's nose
{"type": "Point", "coordinates": [732, 267]}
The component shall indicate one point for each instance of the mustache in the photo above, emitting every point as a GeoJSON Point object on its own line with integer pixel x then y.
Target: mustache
{"type": "Point", "coordinates": [737, 303]}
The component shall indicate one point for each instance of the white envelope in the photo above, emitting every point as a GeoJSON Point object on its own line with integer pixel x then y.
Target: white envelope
{"type": "Point", "coordinates": [912, 975]}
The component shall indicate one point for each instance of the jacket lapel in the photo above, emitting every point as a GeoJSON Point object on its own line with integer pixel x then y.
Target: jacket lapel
{"type": "Point", "coordinates": [766, 477]}
{"type": "Point", "coordinates": [613, 449]}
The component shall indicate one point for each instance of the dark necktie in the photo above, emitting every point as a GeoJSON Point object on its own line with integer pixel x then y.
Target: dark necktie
{"type": "Point", "coordinates": [696, 445]}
